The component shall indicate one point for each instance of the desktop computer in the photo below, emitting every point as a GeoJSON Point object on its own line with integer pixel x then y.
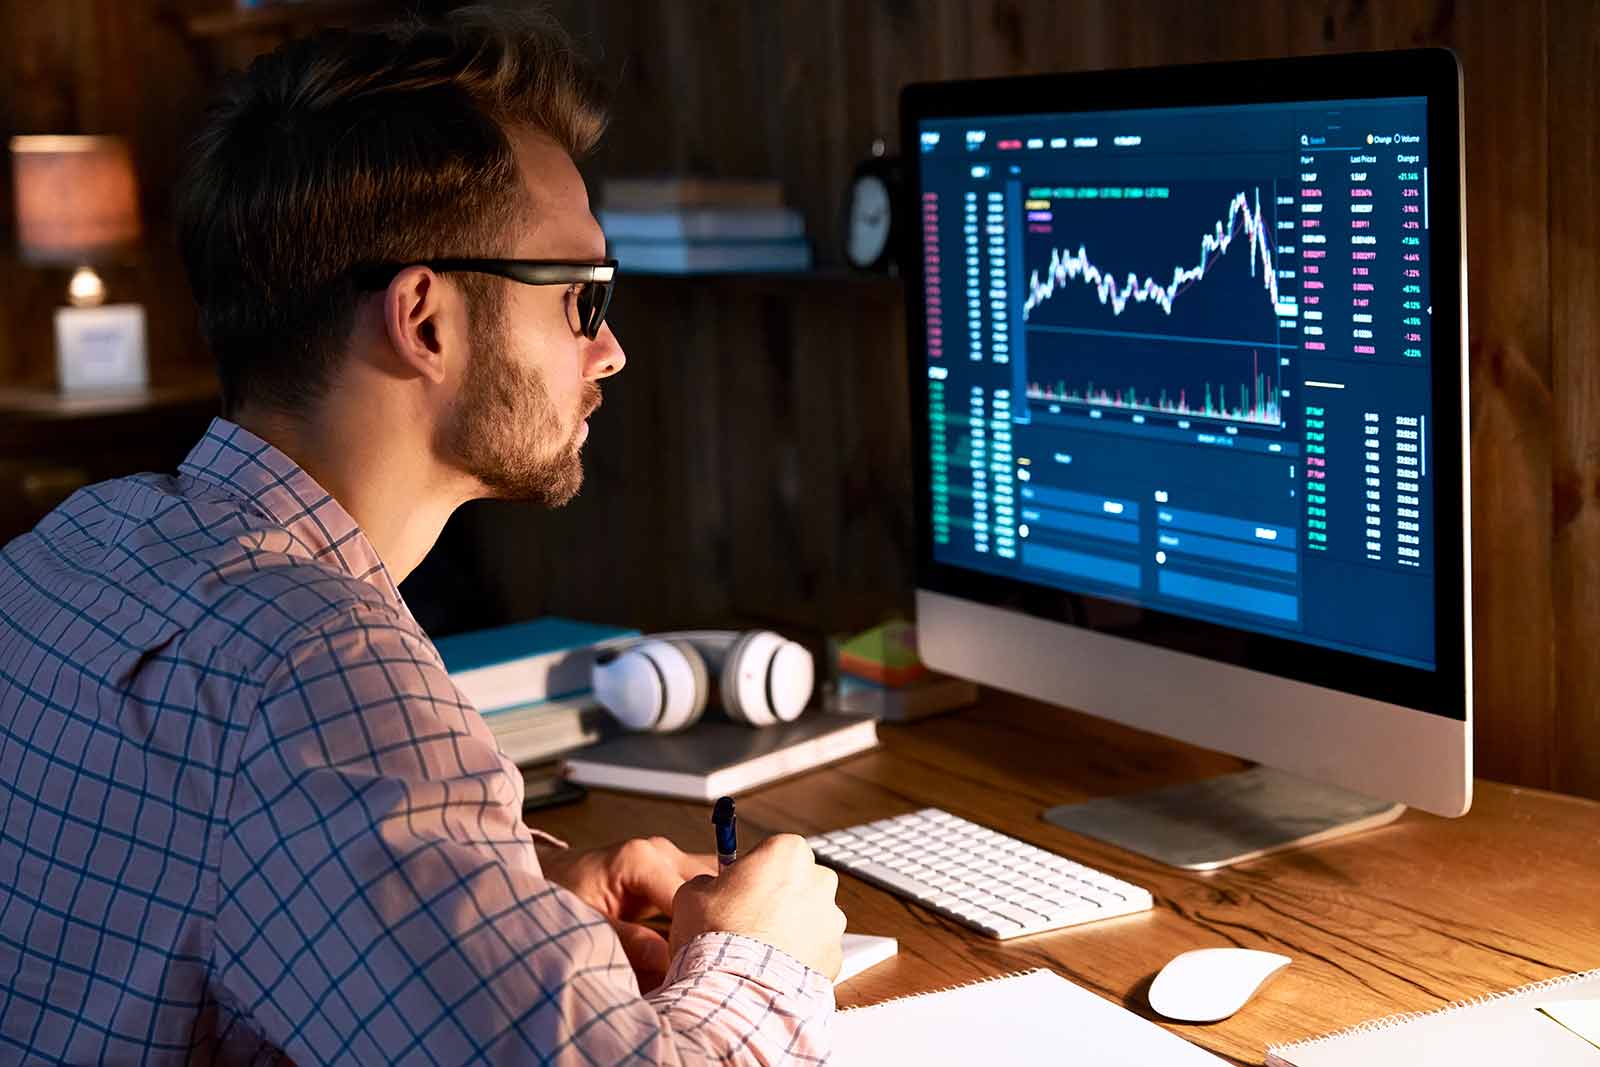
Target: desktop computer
{"type": "Point", "coordinates": [1188, 383]}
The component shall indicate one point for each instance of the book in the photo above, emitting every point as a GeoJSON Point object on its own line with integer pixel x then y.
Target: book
{"type": "Point", "coordinates": [704, 224]}
{"type": "Point", "coordinates": [1521, 1026]}
{"type": "Point", "coordinates": [717, 757]}
{"type": "Point", "coordinates": [543, 659]}
{"type": "Point", "coordinates": [619, 193]}
{"type": "Point", "coordinates": [711, 257]}
{"type": "Point", "coordinates": [928, 695]}
{"type": "Point", "coordinates": [860, 951]}
{"type": "Point", "coordinates": [1032, 1017]}
{"type": "Point", "coordinates": [545, 729]}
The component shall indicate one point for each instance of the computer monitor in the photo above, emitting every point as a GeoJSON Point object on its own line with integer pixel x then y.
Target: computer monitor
{"type": "Point", "coordinates": [1188, 380]}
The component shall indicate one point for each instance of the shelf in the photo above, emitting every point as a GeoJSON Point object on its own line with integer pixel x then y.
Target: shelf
{"type": "Point", "coordinates": [50, 404]}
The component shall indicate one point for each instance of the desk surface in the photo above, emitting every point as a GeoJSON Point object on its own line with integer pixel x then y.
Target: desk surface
{"type": "Point", "coordinates": [1404, 918]}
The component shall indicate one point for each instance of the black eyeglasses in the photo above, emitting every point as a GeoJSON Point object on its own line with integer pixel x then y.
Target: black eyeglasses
{"type": "Point", "coordinates": [596, 280]}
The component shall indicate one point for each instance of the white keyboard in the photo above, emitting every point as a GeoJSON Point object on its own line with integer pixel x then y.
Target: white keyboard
{"type": "Point", "coordinates": [993, 883]}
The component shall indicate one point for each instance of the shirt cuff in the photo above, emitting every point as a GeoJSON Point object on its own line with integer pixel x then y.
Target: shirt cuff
{"type": "Point", "coordinates": [754, 960]}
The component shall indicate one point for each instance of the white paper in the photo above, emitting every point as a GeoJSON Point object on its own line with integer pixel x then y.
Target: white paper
{"type": "Point", "coordinates": [1033, 1018]}
{"type": "Point", "coordinates": [1582, 1017]}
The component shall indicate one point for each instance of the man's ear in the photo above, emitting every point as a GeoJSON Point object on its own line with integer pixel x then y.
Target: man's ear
{"type": "Point", "coordinates": [414, 314]}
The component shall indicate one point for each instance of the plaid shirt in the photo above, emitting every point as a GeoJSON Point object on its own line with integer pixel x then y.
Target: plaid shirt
{"type": "Point", "coordinates": [245, 814]}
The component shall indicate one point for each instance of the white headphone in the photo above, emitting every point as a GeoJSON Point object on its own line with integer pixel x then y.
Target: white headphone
{"type": "Point", "coordinates": [662, 682]}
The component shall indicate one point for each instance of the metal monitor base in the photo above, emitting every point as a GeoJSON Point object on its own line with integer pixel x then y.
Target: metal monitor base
{"type": "Point", "coordinates": [1201, 826]}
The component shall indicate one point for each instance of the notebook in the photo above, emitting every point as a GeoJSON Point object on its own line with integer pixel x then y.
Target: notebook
{"type": "Point", "coordinates": [716, 757]}
{"type": "Point", "coordinates": [1503, 1029]}
{"type": "Point", "coordinates": [1033, 1017]}
{"type": "Point", "coordinates": [928, 695]}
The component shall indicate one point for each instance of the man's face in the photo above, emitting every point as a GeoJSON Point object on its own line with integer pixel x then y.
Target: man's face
{"type": "Point", "coordinates": [519, 420]}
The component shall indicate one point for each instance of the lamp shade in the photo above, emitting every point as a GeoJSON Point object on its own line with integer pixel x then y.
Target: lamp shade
{"type": "Point", "coordinates": [77, 201]}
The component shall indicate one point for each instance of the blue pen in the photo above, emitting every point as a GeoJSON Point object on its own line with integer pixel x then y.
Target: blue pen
{"type": "Point", "coordinates": [723, 818]}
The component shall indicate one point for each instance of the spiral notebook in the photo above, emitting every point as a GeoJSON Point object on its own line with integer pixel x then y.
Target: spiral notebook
{"type": "Point", "coordinates": [1501, 1029]}
{"type": "Point", "coordinates": [1031, 1017]}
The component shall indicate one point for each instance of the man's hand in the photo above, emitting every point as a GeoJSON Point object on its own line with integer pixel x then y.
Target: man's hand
{"type": "Point", "coordinates": [626, 883]}
{"type": "Point", "coordinates": [776, 893]}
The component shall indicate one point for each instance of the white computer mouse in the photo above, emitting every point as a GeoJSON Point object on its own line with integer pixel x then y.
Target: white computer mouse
{"type": "Point", "coordinates": [1209, 984]}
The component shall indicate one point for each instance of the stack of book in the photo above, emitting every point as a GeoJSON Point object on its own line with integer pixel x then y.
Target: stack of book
{"type": "Point", "coordinates": [530, 681]}
{"type": "Point", "coordinates": [702, 226]}
{"type": "Point", "coordinates": [881, 675]}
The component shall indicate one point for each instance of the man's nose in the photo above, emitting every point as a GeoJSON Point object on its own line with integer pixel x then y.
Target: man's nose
{"type": "Point", "coordinates": [605, 356]}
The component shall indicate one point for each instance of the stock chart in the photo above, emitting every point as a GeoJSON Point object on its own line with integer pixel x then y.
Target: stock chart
{"type": "Point", "coordinates": [1180, 359]}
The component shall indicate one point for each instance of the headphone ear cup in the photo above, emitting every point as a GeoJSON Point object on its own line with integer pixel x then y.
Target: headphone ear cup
{"type": "Point", "coordinates": [651, 686]}
{"type": "Point", "coordinates": [766, 679]}
{"type": "Point", "coordinates": [629, 686]}
{"type": "Point", "coordinates": [728, 689]}
{"type": "Point", "coordinates": [685, 708]}
{"type": "Point", "coordinates": [791, 677]}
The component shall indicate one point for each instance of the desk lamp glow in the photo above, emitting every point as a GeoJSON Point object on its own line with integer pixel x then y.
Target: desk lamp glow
{"type": "Point", "coordinates": [77, 206]}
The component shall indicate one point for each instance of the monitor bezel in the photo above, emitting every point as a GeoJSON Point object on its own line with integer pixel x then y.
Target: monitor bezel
{"type": "Point", "coordinates": [1433, 74]}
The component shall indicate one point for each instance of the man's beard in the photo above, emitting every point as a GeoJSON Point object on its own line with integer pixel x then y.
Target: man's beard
{"type": "Point", "coordinates": [504, 424]}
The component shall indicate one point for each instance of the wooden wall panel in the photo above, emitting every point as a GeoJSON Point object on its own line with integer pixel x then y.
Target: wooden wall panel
{"type": "Point", "coordinates": [753, 453]}
{"type": "Point", "coordinates": [643, 536]}
{"type": "Point", "coordinates": [825, 121]}
{"type": "Point", "coordinates": [735, 474]}
{"type": "Point", "coordinates": [1503, 51]}
{"type": "Point", "coordinates": [35, 97]}
{"type": "Point", "coordinates": [830, 82]}
{"type": "Point", "coordinates": [1574, 166]}
{"type": "Point", "coordinates": [822, 517]}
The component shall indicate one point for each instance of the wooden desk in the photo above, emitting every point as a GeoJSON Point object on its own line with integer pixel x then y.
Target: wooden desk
{"type": "Point", "coordinates": [1405, 918]}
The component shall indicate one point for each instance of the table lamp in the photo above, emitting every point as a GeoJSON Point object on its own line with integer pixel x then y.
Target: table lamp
{"type": "Point", "coordinates": [78, 206]}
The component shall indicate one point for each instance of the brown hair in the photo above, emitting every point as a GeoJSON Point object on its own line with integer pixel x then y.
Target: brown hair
{"type": "Point", "coordinates": [351, 148]}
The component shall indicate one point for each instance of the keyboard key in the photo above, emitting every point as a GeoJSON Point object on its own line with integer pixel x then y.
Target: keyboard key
{"type": "Point", "coordinates": [995, 926]}
{"type": "Point", "coordinates": [1019, 915]}
{"type": "Point", "coordinates": [891, 878]}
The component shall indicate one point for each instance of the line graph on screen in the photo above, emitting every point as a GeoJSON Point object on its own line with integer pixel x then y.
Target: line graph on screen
{"type": "Point", "coordinates": [1169, 302]}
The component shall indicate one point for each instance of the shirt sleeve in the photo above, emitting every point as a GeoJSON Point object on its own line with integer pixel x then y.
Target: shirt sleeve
{"type": "Point", "coordinates": [380, 900]}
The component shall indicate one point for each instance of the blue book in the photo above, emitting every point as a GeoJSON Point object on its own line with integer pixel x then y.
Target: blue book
{"type": "Point", "coordinates": [526, 662]}
{"type": "Point", "coordinates": [711, 257]}
{"type": "Point", "coordinates": [704, 224]}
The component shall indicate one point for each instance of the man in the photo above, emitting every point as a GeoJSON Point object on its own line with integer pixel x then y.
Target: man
{"type": "Point", "coordinates": [246, 815]}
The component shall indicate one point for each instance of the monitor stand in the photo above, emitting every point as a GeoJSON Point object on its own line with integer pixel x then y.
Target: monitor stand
{"type": "Point", "coordinates": [1201, 826]}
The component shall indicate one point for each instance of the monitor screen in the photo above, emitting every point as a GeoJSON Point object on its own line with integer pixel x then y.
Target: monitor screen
{"type": "Point", "coordinates": [1179, 359]}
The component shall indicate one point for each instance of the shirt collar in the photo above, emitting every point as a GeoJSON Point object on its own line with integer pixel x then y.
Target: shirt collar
{"type": "Point", "coordinates": [240, 463]}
